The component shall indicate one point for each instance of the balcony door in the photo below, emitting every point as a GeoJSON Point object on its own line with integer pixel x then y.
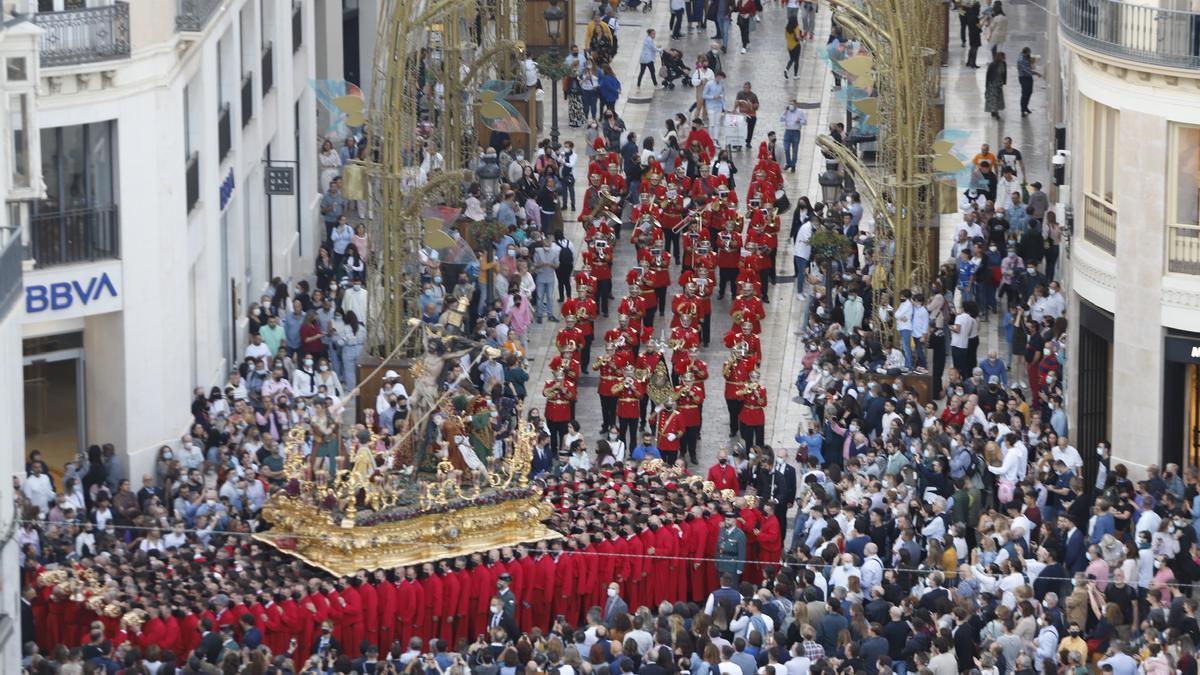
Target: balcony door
{"type": "Point", "coordinates": [77, 221]}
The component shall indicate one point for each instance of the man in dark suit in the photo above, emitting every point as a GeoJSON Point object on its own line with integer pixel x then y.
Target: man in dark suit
{"type": "Point", "coordinates": [499, 617]}
{"type": "Point", "coordinates": [966, 635]}
{"type": "Point", "coordinates": [210, 642]}
{"type": "Point", "coordinates": [778, 487]}
{"type": "Point", "coordinates": [1074, 556]}
{"type": "Point", "coordinates": [28, 627]}
{"type": "Point", "coordinates": [507, 598]}
{"type": "Point", "coordinates": [614, 606]}
{"type": "Point", "coordinates": [543, 459]}
{"type": "Point", "coordinates": [936, 597]}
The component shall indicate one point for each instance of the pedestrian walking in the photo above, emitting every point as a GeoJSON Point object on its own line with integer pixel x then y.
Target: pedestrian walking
{"type": "Point", "coordinates": [701, 76]}
{"type": "Point", "coordinates": [997, 28]}
{"type": "Point", "coordinates": [974, 33]}
{"type": "Point", "coordinates": [648, 57]}
{"type": "Point", "coordinates": [746, 12]}
{"type": "Point", "coordinates": [610, 89]}
{"type": "Point", "coordinates": [1025, 75]}
{"type": "Point", "coordinates": [589, 92]}
{"type": "Point", "coordinates": [994, 81]}
{"type": "Point", "coordinates": [795, 40]}
{"type": "Point", "coordinates": [677, 10]}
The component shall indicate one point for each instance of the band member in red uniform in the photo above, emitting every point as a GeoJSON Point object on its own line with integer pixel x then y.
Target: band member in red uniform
{"type": "Point", "coordinates": [749, 521]}
{"type": "Point", "coordinates": [611, 366]}
{"type": "Point", "coordinates": [624, 336]}
{"type": "Point", "coordinates": [630, 391]}
{"type": "Point", "coordinates": [647, 363]}
{"type": "Point", "coordinates": [737, 368]}
{"type": "Point", "coordinates": [641, 279]}
{"type": "Point", "coordinates": [658, 264]}
{"type": "Point", "coordinates": [692, 363]}
{"type": "Point", "coordinates": [700, 135]}
{"type": "Point", "coordinates": [729, 254]}
{"type": "Point", "coordinates": [690, 399]}
{"type": "Point", "coordinates": [748, 307]}
{"type": "Point", "coordinates": [744, 338]}
{"type": "Point", "coordinates": [685, 303]}
{"type": "Point", "coordinates": [560, 393]}
{"type": "Point", "coordinates": [598, 257]}
{"type": "Point", "coordinates": [583, 309]}
{"type": "Point", "coordinates": [669, 430]}
{"type": "Point", "coordinates": [683, 337]}
{"type": "Point", "coordinates": [633, 306]}
{"type": "Point", "coordinates": [565, 573]}
{"type": "Point", "coordinates": [595, 203]}
{"type": "Point", "coordinates": [568, 360]}
{"type": "Point", "coordinates": [753, 414]}
{"type": "Point", "coordinates": [673, 211]}
{"type": "Point", "coordinates": [570, 334]}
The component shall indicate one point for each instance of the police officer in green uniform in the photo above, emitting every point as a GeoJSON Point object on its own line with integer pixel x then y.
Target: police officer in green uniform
{"type": "Point", "coordinates": [506, 595]}
{"type": "Point", "coordinates": [731, 548]}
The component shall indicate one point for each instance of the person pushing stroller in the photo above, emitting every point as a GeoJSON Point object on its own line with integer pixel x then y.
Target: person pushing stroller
{"type": "Point", "coordinates": [672, 61]}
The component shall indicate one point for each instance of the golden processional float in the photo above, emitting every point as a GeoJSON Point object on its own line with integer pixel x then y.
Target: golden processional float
{"type": "Point", "coordinates": [436, 60]}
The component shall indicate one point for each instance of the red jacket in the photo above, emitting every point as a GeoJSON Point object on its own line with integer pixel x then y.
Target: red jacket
{"type": "Point", "coordinates": [724, 477]}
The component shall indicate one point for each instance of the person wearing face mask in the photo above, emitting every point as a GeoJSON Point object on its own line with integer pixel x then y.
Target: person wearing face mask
{"type": "Point", "coordinates": [499, 618]}
{"type": "Point", "coordinates": [723, 475]}
{"type": "Point", "coordinates": [304, 378]}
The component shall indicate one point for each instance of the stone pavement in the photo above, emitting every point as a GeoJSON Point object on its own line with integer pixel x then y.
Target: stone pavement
{"type": "Point", "coordinates": [644, 111]}
{"type": "Point", "coordinates": [1032, 135]}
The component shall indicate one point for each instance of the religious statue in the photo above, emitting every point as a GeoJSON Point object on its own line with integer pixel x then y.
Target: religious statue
{"type": "Point", "coordinates": [426, 389]}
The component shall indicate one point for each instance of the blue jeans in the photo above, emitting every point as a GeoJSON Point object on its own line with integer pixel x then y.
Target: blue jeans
{"type": "Point", "coordinates": [590, 100]}
{"type": "Point", "coordinates": [723, 27]}
{"type": "Point", "coordinates": [919, 348]}
{"type": "Point", "coordinates": [791, 148]}
{"type": "Point", "coordinates": [545, 289]}
{"type": "Point", "coordinates": [801, 265]}
{"type": "Point", "coordinates": [635, 188]}
{"type": "Point", "coordinates": [350, 354]}
{"type": "Point", "coordinates": [906, 347]}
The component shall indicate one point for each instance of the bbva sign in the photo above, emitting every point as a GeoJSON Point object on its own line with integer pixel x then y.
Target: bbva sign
{"type": "Point", "coordinates": [73, 292]}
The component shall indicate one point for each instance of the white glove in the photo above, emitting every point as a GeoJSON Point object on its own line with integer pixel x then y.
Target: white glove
{"type": "Point", "coordinates": [671, 437]}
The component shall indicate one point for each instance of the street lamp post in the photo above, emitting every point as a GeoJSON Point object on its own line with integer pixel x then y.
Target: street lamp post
{"type": "Point", "coordinates": [831, 183]}
{"type": "Point", "coordinates": [554, 16]}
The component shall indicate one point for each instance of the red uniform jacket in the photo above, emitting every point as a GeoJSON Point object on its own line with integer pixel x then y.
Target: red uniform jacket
{"type": "Point", "coordinates": [668, 430]}
{"type": "Point", "coordinates": [754, 404]}
{"type": "Point", "coordinates": [724, 477]}
{"type": "Point", "coordinates": [558, 400]}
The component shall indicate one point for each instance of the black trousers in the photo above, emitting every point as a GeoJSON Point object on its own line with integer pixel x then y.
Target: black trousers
{"type": "Point", "coordinates": [661, 293]}
{"type": "Point", "coordinates": [643, 69]}
{"type": "Point", "coordinates": [735, 409]}
{"type": "Point", "coordinates": [793, 60]}
{"type": "Point", "coordinates": [603, 292]}
{"type": "Point", "coordinates": [744, 28]}
{"type": "Point", "coordinates": [764, 282]}
{"type": "Point", "coordinates": [687, 446]}
{"type": "Point", "coordinates": [608, 411]}
{"type": "Point", "coordinates": [938, 344]}
{"type": "Point", "coordinates": [751, 120]}
{"type": "Point", "coordinates": [586, 360]}
{"type": "Point", "coordinates": [671, 243]}
{"type": "Point", "coordinates": [557, 431]}
{"type": "Point", "coordinates": [971, 55]}
{"type": "Point", "coordinates": [726, 275]}
{"type": "Point", "coordinates": [677, 23]}
{"type": "Point", "coordinates": [706, 329]}
{"type": "Point", "coordinates": [1026, 92]}
{"type": "Point", "coordinates": [564, 283]}
{"type": "Point", "coordinates": [629, 431]}
{"type": "Point", "coordinates": [752, 435]}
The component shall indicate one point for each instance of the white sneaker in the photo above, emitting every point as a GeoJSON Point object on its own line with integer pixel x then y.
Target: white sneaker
{"type": "Point", "coordinates": [743, 50]}
{"type": "Point", "coordinates": [758, 18]}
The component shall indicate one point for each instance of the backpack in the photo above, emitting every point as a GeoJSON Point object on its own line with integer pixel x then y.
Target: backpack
{"type": "Point", "coordinates": [566, 257]}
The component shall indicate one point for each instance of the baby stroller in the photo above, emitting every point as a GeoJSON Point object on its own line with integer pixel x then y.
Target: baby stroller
{"type": "Point", "coordinates": [673, 69]}
{"type": "Point", "coordinates": [646, 6]}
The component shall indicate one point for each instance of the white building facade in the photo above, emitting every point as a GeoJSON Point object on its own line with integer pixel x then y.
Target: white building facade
{"type": "Point", "coordinates": [149, 230]}
{"type": "Point", "coordinates": [1131, 81]}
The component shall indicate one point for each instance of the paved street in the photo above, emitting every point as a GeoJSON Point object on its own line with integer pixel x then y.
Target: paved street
{"type": "Point", "coordinates": [644, 110]}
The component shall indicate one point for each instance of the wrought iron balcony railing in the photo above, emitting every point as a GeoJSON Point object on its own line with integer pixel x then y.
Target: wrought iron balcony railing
{"type": "Point", "coordinates": [1162, 37]}
{"type": "Point", "coordinates": [75, 236]}
{"type": "Point", "coordinates": [192, 15]}
{"type": "Point", "coordinates": [87, 35]}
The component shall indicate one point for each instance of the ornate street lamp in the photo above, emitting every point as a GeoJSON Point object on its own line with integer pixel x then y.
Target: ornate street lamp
{"type": "Point", "coordinates": [554, 16]}
{"type": "Point", "coordinates": [831, 183]}
{"type": "Point", "coordinates": [487, 172]}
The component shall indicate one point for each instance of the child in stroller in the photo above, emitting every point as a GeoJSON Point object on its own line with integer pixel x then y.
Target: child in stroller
{"type": "Point", "coordinates": [672, 61]}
